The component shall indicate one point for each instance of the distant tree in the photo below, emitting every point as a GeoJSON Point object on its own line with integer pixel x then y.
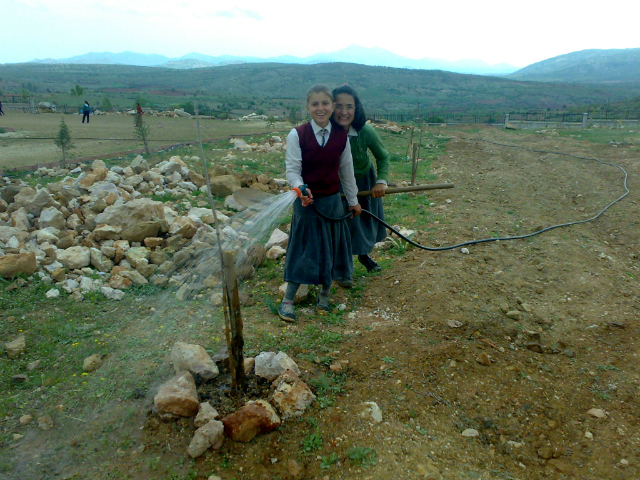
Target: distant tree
{"type": "Point", "coordinates": [142, 101]}
{"type": "Point", "coordinates": [106, 104]}
{"type": "Point", "coordinates": [294, 114]}
{"type": "Point", "coordinates": [78, 92]}
{"type": "Point", "coordinates": [25, 94]}
{"type": "Point", "coordinates": [63, 141]}
{"type": "Point", "coordinates": [141, 131]}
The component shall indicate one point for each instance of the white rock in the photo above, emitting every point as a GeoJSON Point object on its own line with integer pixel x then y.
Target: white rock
{"type": "Point", "coordinates": [372, 411]}
{"type": "Point", "coordinates": [597, 412]}
{"type": "Point", "coordinates": [465, 251]}
{"type": "Point", "coordinates": [270, 365]}
{"type": "Point", "coordinates": [470, 432]}
{"type": "Point", "coordinates": [53, 293]}
{"type": "Point", "coordinates": [278, 238]}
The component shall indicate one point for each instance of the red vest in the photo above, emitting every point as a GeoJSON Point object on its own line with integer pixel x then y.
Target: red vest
{"type": "Point", "coordinates": [320, 165]}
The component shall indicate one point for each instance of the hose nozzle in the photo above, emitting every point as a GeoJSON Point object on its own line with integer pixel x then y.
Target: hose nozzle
{"type": "Point", "coordinates": [300, 191]}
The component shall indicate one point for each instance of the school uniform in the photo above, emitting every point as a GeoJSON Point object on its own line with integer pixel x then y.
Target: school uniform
{"type": "Point", "coordinates": [365, 230]}
{"type": "Point", "coordinates": [319, 250]}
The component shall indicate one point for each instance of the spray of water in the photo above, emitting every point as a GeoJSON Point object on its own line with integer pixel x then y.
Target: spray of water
{"type": "Point", "coordinates": [196, 267]}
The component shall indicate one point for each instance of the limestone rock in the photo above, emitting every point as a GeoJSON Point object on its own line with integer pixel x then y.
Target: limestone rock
{"type": "Point", "coordinates": [291, 396]}
{"type": "Point", "coordinates": [271, 365]}
{"type": "Point", "coordinates": [16, 347]}
{"type": "Point", "coordinates": [52, 217]}
{"type": "Point", "coordinates": [371, 411]}
{"type": "Point", "coordinates": [208, 436]}
{"type": "Point", "coordinates": [138, 218]}
{"type": "Point", "coordinates": [275, 253]}
{"type": "Point", "coordinates": [92, 362]}
{"type": "Point", "coordinates": [74, 257]}
{"type": "Point", "coordinates": [206, 413]}
{"type": "Point", "coordinates": [177, 397]}
{"type": "Point", "coordinates": [278, 238]}
{"type": "Point", "coordinates": [194, 359]}
{"type": "Point", "coordinates": [252, 419]}
{"type": "Point", "coordinates": [184, 226]}
{"type": "Point", "coordinates": [14, 264]}
{"type": "Point", "coordinates": [224, 185]}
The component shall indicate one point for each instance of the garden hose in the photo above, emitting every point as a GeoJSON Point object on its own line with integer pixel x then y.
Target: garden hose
{"type": "Point", "coordinates": [302, 190]}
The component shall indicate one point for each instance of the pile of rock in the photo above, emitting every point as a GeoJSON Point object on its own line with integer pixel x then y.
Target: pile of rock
{"type": "Point", "coordinates": [178, 397]}
{"type": "Point", "coordinates": [99, 232]}
{"type": "Point", "coordinates": [271, 145]}
{"type": "Point", "coordinates": [391, 127]}
{"type": "Point", "coordinates": [253, 117]}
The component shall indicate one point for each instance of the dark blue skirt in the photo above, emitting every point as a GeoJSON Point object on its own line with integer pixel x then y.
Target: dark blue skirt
{"type": "Point", "coordinates": [319, 251]}
{"type": "Point", "coordinates": [365, 231]}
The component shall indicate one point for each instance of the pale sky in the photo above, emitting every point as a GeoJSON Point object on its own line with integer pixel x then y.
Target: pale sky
{"type": "Point", "coordinates": [495, 31]}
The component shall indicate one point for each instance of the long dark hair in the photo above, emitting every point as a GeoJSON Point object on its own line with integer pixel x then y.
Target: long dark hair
{"type": "Point", "coordinates": [359, 117]}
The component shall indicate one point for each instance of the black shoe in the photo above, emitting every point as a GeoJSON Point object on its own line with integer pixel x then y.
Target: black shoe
{"type": "Point", "coordinates": [287, 313]}
{"type": "Point", "coordinates": [369, 263]}
{"type": "Point", "coordinates": [346, 282]}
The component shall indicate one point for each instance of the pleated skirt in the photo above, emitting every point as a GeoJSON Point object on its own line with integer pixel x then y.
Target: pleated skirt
{"type": "Point", "coordinates": [319, 251]}
{"type": "Point", "coordinates": [365, 231]}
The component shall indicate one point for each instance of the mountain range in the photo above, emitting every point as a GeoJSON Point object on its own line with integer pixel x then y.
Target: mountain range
{"type": "Point", "coordinates": [586, 66]}
{"type": "Point", "coordinates": [377, 57]}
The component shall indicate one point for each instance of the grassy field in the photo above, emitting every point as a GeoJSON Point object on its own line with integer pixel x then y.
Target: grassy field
{"type": "Point", "coordinates": [135, 335]}
{"type": "Point", "coordinates": [102, 422]}
{"type": "Point", "coordinates": [31, 142]}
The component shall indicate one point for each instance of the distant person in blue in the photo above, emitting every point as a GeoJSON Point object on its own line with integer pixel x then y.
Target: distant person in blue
{"type": "Point", "coordinates": [86, 109]}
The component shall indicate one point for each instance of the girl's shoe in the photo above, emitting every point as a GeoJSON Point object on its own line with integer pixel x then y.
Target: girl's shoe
{"type": "Point", "coordinates": [286, 312]}
{"type": "Point", "coordinates": [323, 303]}
{"type": "Point", "coordinates": [345, 282]}
{"type": "Point", "coordinates": [369, 263]}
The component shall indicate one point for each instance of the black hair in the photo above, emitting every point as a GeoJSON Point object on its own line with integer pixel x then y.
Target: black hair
{"type": "Point", "coordinates": [359, 117]}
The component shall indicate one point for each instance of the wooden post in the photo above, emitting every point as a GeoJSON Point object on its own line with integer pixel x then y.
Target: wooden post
{"type": "Point", "coordinates": [236, 344]}
{"type": "Point", "coordinates": [414, 167]}
{"type": "Point", "coordinates": [410, 146]}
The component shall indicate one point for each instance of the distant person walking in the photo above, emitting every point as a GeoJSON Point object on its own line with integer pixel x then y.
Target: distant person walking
{"type": "Point", "coordinates": [1, 112]}
{"type": "Point", "coordinates": [86, 109]}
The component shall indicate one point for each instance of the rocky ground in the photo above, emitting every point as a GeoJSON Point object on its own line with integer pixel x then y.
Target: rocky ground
{"type": "Point", "coordinates": [516, 360]}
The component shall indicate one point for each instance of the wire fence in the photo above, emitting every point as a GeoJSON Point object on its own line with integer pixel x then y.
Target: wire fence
{"type": "Point", "coordinates": [499, 118]}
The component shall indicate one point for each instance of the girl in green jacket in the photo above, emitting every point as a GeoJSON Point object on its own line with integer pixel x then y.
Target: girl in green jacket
{"type": "Point", "coordinates": [365, 231]}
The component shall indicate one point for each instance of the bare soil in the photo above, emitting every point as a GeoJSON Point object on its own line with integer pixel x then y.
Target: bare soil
{"type": "Point", "coordinates": [432, 345]}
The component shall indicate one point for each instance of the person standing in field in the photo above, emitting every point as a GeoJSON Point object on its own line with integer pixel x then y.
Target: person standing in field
{"type": "Point", "coordinates": [365, 230]}
{"type": "Point", "coordinates": [318, 157]}
{"type": "Point", "coordinates": [86, 110]}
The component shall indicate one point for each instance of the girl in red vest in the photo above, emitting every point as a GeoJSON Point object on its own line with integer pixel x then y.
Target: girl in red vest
{"type": "Point", "coordinates": [319, 156]}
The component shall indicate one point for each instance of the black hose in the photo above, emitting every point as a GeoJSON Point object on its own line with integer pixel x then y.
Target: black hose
{"type": "Point", "coordinates": [485, 240]}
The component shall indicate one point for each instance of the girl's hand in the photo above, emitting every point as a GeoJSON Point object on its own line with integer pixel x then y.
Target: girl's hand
{"type": "Point", "coordinates": [307, 200]}
{"type": "Point", "coordinates": [379, 190]}
{"type": "Point", "coordinates": [356, 209]}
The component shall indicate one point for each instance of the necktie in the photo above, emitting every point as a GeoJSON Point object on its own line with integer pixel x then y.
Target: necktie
{"type": "Point", "coordinates": [324, 133]}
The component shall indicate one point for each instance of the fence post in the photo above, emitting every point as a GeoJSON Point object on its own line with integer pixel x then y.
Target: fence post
{"type": "Point", "coordinates": [585, 120]}
{"type": "Point", "coordinates": [506, 119]}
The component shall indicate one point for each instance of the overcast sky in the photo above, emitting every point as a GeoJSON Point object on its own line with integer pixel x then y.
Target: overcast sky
{"type": "Point", "coordinates": [495, 31]}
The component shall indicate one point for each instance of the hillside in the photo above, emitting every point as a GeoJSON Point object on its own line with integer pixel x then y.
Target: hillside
{"type": "Point", "coordinates": [383, 89]}
{"type": "Point", "coordinates": [587, 66]}
{"type": "Point", "coordinates": [377, 57]}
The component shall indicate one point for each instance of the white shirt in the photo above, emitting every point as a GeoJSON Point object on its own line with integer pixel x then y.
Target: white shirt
{"type": "Point", "coordinates": [293, 163]}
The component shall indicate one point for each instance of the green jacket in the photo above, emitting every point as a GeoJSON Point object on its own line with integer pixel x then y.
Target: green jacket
{"type": "Point", "coordinates": [366, 140]}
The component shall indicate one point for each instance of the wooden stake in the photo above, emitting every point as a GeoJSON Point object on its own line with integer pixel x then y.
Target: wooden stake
{"type": "Point", "coordinates": [227, 300]}
{"type": "Point", "coordinates": [232, 299]}
{"type": "Point", "coordinates": [414, 167]}
{"type": "Point", "coordinates": [410, 146]}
